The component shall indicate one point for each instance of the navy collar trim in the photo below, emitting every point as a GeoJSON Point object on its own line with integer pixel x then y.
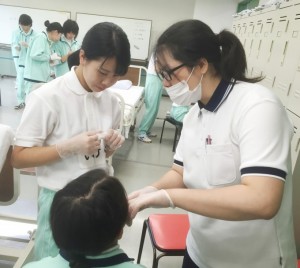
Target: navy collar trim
{"type": "Point", "coordinates": [100, 262]}
{"type": "Point", "coordinates": [219, 96]}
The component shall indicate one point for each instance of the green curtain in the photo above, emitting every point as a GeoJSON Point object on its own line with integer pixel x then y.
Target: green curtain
{"type": "Point", "coordinates": [247, 4]}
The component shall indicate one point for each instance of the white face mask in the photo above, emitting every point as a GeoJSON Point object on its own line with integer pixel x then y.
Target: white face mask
{"type": "Point", "coordinates": [181, 94]}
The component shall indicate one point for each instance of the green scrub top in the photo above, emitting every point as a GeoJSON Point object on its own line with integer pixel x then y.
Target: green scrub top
{"type": "Point", "coordinates": [62, 48]}
{"type": "Point", "coordinates": [15, 42]}
{"type": "Point", "coordinates": [25, 37]}
{"type": "Point", "coordinates": [37, 64]}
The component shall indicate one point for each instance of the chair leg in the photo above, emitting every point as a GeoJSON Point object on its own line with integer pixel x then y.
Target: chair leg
{"type": "Point", "coordinates": [142, 242]}
{"type": "Point", "coordinates": [162, 131]}
{"type": "Point", "coordinates": [175, 139]}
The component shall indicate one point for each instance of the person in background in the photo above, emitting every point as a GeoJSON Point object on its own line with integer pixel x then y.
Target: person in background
{"type": "Point", "coordinates": [66, 46]}
{"type": "Point", "coordinates": [69, 125]}
{"type": "Point", "coordinates": [179, 111]}
{"type": "Point", "coordinates": [15, 49]}
{"type": "Point", "coordinates": [232, 166]}
{"type": "Point", "coordinates": [39, 57]}
{"type": "Point", "coordinates": [152, 96]}
{"type": "Point", "coordinates": [26, 36]}
{"type": "Point", "coordinates": [87, 219]}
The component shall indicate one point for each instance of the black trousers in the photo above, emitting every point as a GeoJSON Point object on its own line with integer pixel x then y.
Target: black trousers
{"type": "Point", "coordinates": [187, 261]}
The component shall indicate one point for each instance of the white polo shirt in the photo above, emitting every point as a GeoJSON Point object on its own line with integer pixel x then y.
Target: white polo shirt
{"type": "Point", "coordinates": [58, 111]}
{"type": "Point", "coordinates": [243, 131]}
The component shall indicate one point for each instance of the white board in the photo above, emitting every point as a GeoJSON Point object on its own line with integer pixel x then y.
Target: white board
{"type": "Point", "coordinates": [138, 31]}
{"type": "Point", "coordinates": [9, 19]}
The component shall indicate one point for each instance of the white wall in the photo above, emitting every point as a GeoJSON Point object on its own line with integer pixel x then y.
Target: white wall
{"type": "Point", "coordinates": [216, 13]}
{"type": "Point", "coordinates": [163, 13]}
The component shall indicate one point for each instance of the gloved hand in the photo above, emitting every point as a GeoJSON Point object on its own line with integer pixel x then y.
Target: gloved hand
{"type": "Point", "coordinates": [145, 190]}
{"type": "Point", "coordinates": [54, 56]}
{"type": "Point", "coordinates": [86, 143]}
{"type": "Point", "coordinates": [24, 44]}
{"type": "Point", "coordinates": [112, 139]}
{"type": "Point", "coordinates": [156, 199]}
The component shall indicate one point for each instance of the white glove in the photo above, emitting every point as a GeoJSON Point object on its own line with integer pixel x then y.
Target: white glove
{"type": "Point", "coordinates": [54, 56]}
{"type": "Point", "coordinates": [112, 139]}
{"type": "Point", "coordinates": [23, 44]}
{"type": "Point", "coordinates": [86, 143]}
{"type": "Point", "coordinates": [145, 190]}
{"type": "Point", "coordinates": [157, 199]}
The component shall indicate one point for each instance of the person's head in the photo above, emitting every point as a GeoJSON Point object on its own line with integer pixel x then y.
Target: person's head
{"type": "Point", "coordinates": [190, 49]}
{"type": "Point", "coordinates": [70, 29]}
{"type": "Point", "coordinates": [54, 30]}
{"type": "Point", "coordinates": [25, 22]}
{"type": "Point", "coordinates": [88, 215]}
{"type": "Point", "coordinates": [73, 59]}
{"type": "Point", "coordinates": [104, 56]}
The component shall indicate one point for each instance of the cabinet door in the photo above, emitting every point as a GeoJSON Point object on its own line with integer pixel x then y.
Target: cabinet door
{"type": "Point", "coordinates": [296, 138]}
{"type": "Point", "coordinates": [289, 58]}
{"type": "Point", "coordinates": [293, 102]}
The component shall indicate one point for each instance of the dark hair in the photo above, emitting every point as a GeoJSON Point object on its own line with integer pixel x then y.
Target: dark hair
{"type": "Point", "coordinates": [25, 20]}
{"type": "Point", "coordinates": [54, 26]}
{"type": "Point", "coordinates": [70, 26]}
{"type": "Point", "coordinates": [88, 214]}
{"type": "Point", "coordinates": [108, 40]}
{"type": "Point", "coordinates": [73, 59]}
{"type": "Point", "coordinates": [191, 40]}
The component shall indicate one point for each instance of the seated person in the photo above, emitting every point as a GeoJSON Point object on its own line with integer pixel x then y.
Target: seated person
{"type": "Point", "coordinates": [87, 219]}
{"type": "Point", "coordinates": [178, 112]}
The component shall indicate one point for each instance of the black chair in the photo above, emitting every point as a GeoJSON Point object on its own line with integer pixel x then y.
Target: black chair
{"type": "Point", "coordinates": [178, 128]}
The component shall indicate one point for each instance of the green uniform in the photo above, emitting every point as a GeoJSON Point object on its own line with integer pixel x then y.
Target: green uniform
{"type": "Point", "coordinates": [14, 45]}
{"type": "Point", "coordinates": [23, 37]}
{"type": "Point", "coordinates": [62, 48]}
{"type": "Point", "coordinates": [153, 91]}
{"type": "Point", "coordinates": [37, 64]}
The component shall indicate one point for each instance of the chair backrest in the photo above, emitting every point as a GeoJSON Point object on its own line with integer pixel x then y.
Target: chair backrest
{"type": "Point", "coordinates": [9, 177]}
{"type": "Point", "coordinates": [134, 74]}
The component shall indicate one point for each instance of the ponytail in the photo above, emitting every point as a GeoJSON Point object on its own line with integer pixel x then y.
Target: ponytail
{"type": "Point", "coordinates": [78, 261]}
{"type": "Point", "coordinates": [233, 63]}
{"type": "Point", "coordinates": [54, 26]}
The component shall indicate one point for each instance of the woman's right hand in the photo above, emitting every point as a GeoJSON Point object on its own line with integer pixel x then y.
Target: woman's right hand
{"type": "Point", "coordinates": [145, 190]}
{"type": "Point", "coordinates": [154, 199]}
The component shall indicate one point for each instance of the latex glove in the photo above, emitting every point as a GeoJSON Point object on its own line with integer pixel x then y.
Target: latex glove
{"type": "Point", "coordinates": [54, 56]}
{"type": "Point", "coordinates": [145, 190]}
{"type": "Point", "coordinates": [86, 143]}
{"type": "Point", "coordinates": [112, 139]}
{"type": "Point", "coordinates": [157, 199]}
{"type": "Point", "coordinates": [24, 44]}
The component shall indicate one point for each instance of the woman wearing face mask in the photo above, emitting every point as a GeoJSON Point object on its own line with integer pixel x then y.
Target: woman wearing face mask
{"type": "Point", "coordinates": [69, 124]}
{"type": "Point", "coordinates": [39, 57]}
{"type": "Point", "coordinates": [231, 169]}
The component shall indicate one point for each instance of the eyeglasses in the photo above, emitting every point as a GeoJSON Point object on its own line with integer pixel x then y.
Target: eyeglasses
{"type": "Point", "coordinates": [167, 74]}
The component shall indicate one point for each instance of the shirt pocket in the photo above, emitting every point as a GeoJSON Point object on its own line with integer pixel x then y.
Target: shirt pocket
{"type": "Point", "coordinates": [220, 164]}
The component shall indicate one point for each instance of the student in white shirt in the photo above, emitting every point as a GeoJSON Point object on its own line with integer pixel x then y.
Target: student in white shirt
{"type": "Point", "coordinates": [232, 166]}
{"type": "Point", "coordinates": [69, 125]}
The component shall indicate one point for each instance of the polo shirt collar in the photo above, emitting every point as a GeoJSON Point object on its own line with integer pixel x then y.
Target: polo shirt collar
{"type": "Point", "coordinates": [75, 86]}
{"type": "Point", "coordinates": [219, 96]}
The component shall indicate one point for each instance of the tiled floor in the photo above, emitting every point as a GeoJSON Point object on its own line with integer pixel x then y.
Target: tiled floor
{"type": "Point", "coordinates": [136, 164]}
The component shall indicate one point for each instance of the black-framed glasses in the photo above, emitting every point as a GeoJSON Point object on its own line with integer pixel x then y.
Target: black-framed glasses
{"type": "Point", "coordinates": [167, 74]}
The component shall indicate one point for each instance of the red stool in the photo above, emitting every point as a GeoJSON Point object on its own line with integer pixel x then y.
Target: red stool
{"type": "Point", "coordinates": [299, 263]}
{"type": "Point", "coordinates": [167, 233]}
